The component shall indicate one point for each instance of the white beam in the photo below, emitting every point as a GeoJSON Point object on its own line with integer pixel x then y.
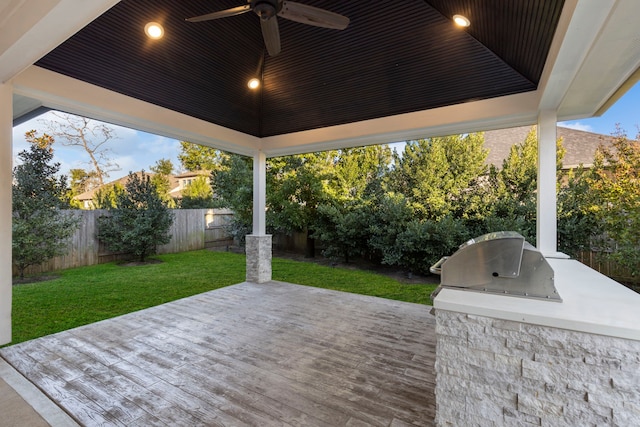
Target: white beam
{"type": "Point", "coordinates": [575, 35]}
{"type": "Point", "coordinates": [489, 114]}
{"type": "Point", "coordinates": [6, 126]}
{"type": "Point", "coordinates": [63, 93]}
{"type": "Point", "coordinates": [610, 66]}
{"type": "Point", "coordinates": [546, 221]}
{"type": "Point", "coordinates": [33, 28]}
{"type": "Point", "coordinates": [259, 194]}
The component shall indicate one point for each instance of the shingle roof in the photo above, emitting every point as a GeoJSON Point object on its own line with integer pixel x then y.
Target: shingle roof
{"type": "Point", "coordinates": [90, 194]}
{"type": "Point", "coordinates": [580, 145]}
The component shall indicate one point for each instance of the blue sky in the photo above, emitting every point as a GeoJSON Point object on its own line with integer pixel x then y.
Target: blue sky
{"type": "Point", "coordinates": [132, 150]}
{"type": "Point", "coordinates": [626, 112]}
{"type": "Point", "coordinates": [135, 150]}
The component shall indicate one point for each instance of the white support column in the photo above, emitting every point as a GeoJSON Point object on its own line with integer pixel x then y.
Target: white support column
{"type": "Point", "coordinates": [6, 126]}
{"type": "Point", "coordinates": [258, 244]}
{"type": "Point", "coordinates": [547, 215]}
{"type": "Point", "coordinates": [259, 193]}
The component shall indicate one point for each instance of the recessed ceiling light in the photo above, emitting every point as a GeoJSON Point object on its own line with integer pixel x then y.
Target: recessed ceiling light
{"type": "Point", "coordinates": [461, 21]}
{"type": "Point", "coordinates": [254, 83]}
{"type": "Point", "coordinates": [154, 30]}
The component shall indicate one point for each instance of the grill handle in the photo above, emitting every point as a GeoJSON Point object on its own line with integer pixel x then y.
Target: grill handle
{"type": "Point", "coordinates": [437, 267]}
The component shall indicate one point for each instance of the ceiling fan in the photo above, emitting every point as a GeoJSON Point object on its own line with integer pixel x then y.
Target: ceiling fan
{"type": "Point", "coordinates": [267, 10]}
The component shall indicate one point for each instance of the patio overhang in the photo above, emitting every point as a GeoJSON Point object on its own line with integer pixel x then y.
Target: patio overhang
{"type": "Point", "coordinates": [399, 71]}
{"type": "Point", "coordinates": [590, 58]}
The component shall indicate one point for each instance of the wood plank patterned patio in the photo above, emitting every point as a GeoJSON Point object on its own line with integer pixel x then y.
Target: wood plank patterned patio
{"type": "Point", "coordinates": [270, 354]}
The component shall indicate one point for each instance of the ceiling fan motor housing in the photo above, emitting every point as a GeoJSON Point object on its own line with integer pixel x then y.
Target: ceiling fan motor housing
{"type": "Point", "coordinates": [267, 9]}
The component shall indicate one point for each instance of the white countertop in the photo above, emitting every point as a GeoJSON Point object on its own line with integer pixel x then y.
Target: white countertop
{"type": "Point", "coordinates": [592, 303]}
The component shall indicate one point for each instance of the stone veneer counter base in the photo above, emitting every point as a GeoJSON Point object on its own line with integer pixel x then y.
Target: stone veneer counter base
{"type": "Point", "coordinates": [503, 360]}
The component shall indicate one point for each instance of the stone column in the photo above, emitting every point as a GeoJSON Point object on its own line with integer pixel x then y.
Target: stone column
{"type": "Point", "coordinates": [258, 258]}
{"type": "Point", "coordinates": [514, 361]}
{"type": "Point", "coordinates": [6, 127]}
{"type": "Point", "coordinates": [258, 244]}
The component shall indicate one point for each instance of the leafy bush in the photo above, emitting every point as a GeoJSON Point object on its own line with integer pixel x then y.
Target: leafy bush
{"type": "Point", "coordinates": [388, 218]}
{"type": "Point", "coordinates": [232, 186]}
{"type": "Point", "coordinates": [616, 184]}
{"type": "Point", "coordinates": [577, 220]}
{"type": "Point", "coordinates": [139, 222]}
{"type": "Point", "coordinates": [422, 243]}
{"type": "Point", "coordinates": [198, 195]}
{"type": "Point", "coordinates": [344, 230]}
{"type": "Point", "coordinates": [40, 230]}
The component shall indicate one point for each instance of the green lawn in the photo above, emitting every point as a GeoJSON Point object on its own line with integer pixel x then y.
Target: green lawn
{"type": "Point", "coordinates": [89, 294]}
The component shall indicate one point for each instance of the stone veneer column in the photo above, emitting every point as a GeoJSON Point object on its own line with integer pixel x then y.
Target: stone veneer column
{"type": "Point", "coordinates": [494, 372]}
{"type": "Point", "coordinates": [258, 250]}
{"type": "Point", "coordinates": [509, 361]}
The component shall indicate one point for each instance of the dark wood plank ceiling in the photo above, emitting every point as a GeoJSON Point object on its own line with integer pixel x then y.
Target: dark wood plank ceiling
{"type": "Point", "coordinates": [395, 57]}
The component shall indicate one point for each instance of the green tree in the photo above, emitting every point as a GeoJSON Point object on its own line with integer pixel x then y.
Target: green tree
{"type": "Point", "coordinates": [195, 157]}
{"type": "Point", "coordinates": [422, 243]}
{"type": "Point", "coordinates": [232, 186]}
{"type": "Point", "coordinates": [343, 229]}
{"type": "Point", "coordinates": [616, 184]}
{"type": "Point", "coordinates": [80, 181]}
{"type": "Point", "coordinates": [140, 222]}
{"type": "Point", "coordinates": [197, 195]}
{"type": "Point", "coordinates": [434, 173]}
{"type": "Point", "coordinates": [515, 187]}
{"type": "Point", "coordinates": [160, 180]}
{"type": "Point", "coordinates": [356, 169]}
{"type": "Point", "coordinates": [163, 167]}
{"type": "Point", "coordinates": [297, 185]}
{"type": "Point", "coordinates": [40, 230]}
{"type": "Point", "coordinates": [389, 215]}
{"type": "Point", "coordinates": [342, 221]}
{"type": "Point", "coordinates": [577, 219]}
{"type": "Point", "coordinates": [106, 197]}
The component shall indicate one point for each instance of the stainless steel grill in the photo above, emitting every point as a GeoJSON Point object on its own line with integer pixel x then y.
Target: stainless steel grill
{"type": "Point", "coordinates": [501, 263]}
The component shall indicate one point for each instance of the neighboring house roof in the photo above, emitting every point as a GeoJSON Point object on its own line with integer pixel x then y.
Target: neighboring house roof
{"type": "Point", "coordinates": [185, 178]}
{"type": "Point", "coordinates": [580, 146]}
{"type": "Point", "coordinates": [89, 195]}
{"type": "Point", "coordinates": [194, 174]}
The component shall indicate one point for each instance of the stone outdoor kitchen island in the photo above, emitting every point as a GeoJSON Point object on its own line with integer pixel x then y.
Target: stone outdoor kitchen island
{"type": "Point", "coordinates": [505, 360]}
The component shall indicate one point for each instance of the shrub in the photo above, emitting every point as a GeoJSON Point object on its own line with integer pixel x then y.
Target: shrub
{"type": "Point", "coordinates": [139, 222]}
{"type": "Point", "coordinates": [343, 231]}
{"type": "Point", "coordinates": [40, 231]}
{"type": "Point", "coordinates": [422, 243]}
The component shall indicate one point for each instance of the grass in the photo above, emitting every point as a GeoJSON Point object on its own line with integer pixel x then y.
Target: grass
{"type": "Point", "coordinates": [89, 294]}
{"type": "Point", "coordinates": [348, 280]}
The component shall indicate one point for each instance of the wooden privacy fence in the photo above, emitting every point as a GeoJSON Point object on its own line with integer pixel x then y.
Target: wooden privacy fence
{"type": "Point", "coordinates": [606, 266]}
{"type": "Point", "coordinates": [192, 229]}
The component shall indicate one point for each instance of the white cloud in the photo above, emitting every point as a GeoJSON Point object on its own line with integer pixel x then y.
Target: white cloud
{"type": "Point", "coordinates": [577, 126]}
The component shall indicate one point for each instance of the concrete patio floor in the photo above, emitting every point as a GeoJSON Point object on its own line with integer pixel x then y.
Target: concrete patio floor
{"type": "Point", "coordinates": [23, 404]}
{"type": "Point", "coordinates": [269, 354]}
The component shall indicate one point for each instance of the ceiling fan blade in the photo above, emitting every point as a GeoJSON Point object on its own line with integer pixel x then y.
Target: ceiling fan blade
{"type": "Point", "coordinates": [221, 14]}
{"type": "Point", "coordinates": [271, 35]}
{"type": "Point", "coordinates": [313, 16]}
